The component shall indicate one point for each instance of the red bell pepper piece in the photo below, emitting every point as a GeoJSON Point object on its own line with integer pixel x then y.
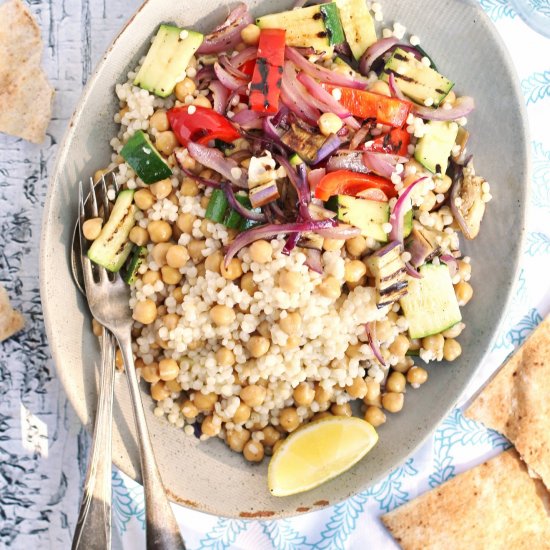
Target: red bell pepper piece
{"type": "Point", "coordinates": [248, 67]}
{"type": "Point", "coordinates": [363, 104]}
{"type": "Point", "coordinates": [346, 182]}
{"type": "Point", "coordinates": [266, 80]}
{"type": "Point", "coordinates": [395, 142]}
{"type": "Point", "coordinates": [200, 124]}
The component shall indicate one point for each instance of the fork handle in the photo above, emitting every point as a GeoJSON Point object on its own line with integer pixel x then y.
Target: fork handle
{"type": "Point", "coordinates": [93, 528]}
{"type": "Point", "coordinates": [162, 529]}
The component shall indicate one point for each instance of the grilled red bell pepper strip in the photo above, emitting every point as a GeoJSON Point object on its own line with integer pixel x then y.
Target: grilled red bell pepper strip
{"type": "Point", "coordinates": [346, 182]}
{"type": "Point", "coordinates": [395, 142]}
{"type": "Point", "coordinates": [248, 67]}
{"type": "Point", "coordinates": [200, 124]}
{"type": "Point", "coordinates": [266, 80]}
{"type": "Point", "coordinates": [363, 104]}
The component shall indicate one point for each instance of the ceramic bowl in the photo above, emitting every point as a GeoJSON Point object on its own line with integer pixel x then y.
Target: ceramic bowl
{"type": "Point", "coordinates": [207, 476]}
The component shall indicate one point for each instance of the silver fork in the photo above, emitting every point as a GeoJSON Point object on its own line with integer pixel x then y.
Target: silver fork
{"type": "Point", "coordinates": [108, 299]}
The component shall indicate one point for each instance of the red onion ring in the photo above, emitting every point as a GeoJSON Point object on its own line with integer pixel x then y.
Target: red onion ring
{"type": "Point", "coordinates": [370, 329]}
{"type": "Point", "coordinates": [313, 260]}
{"type": "Point", "coordinates": [227, 35]}
{"type": "Point", "coordinates": [412, 271]}
{"type": "Point", "coordinates": [228, 80]}
{"type": "Point", "coordinates": [463, 106]}
{"type": "Point", "coordinates": [397, 215]}
{"type": "Point", "coordinates": [347, 161]}
{"type": "Point", "coordinates": [451, 262]}
{"type": "Point", "coordinates": [220, 95]}
{"type": "Point", "coordinates": [314, 177]}
{"type": "Point", "coordinates": [239, 208]}
{"type": "Point", "coordinates": [321, 73]}
{"type": "Point", "coordinates": [248, 120]}
{"type": "Point", "coordinates": [378, 163]}
{"type": "Point", "coordinates": [246, 55]}
{"type": "Point", "coordinates": [394, 89]}
{"type": "Point", "coordinates": [374, 51]}
{"type": "Point", "coordinates": [294, 96]}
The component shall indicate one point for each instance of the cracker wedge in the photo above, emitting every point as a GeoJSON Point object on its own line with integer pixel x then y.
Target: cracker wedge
{"type": "Point", "coordinates": [25, 94]}
{"type": "Point", "coordinates": [494, 506]}
{"type": "Point", "coordinates": [11, 321]}
{"type": "Point", "coordinates": [516, 402]}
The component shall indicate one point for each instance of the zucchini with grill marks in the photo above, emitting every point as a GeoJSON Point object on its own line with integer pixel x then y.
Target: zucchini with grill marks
{"type": "Point", "coordinates": [112, 248]}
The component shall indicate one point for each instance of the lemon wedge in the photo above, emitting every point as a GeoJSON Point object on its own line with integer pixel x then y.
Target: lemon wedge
{"type": "Point", "coordinates": [317, 452]}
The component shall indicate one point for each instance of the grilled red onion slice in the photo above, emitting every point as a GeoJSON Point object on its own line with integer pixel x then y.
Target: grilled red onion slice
{"type": "Point", "coordinates": [451, 262]}
{"type": "Point", "coordinates": [246, 55]}
{"type": "Point", "coordinates": [378, 163]}
{"type": "Point", "coordinates": [313, 260]}
{"type": "Point", "coordinates": [248, 120]}
{"type": "Point", "coordinates": [370, 329]}
{"type": "Point", "coordinates": [321, 73]}
{"type": "Point", "coordinates": [314, 177]}
{"type": "Point", "coordinates": [214, 159]}
{"type": "Point", "coordinates": [291, 243]}
{"type": "Point", "coordinates": [347, 161]}
{"type": "Point", "coordinates": [228, 80]}
{"type": "Point", "coordinates": [412, 271]}
{"type": "Point", "coordinates": [463, 106]}
{"type": "Point", "coordinates": [232, 68]}
{"type": "Point", "coordinates": [394, 88]}
{"type": "Point", "coordinates": [220, 95]}
{"type": "Point", "coordinates": [373, 52]}
{"type": "Point", "coordinates": [327, 100]}
{"type": "Point", "coordinates": [239, 208]}
{"type": "Point", "coordinates": [206, 182]}
{"type": "Point", "coordinates": [398, 213]}
{"type": "Point", "coordinates": [227, 35]}
{"type": "Point", "coordinates": [295, 97]}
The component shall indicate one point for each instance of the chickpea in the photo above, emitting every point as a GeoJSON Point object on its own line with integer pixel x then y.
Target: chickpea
{"type": "Point", "coordinates": [144, 199]}
{"type": "Point", "coordinates": [415, 344]}
{"type": "Point", "coordinates": [168, 369]}
{"type": "Point", "coordinates": [250, 34]}
{"type": "Point", "coordinates": [253, 395]}
{"type": "Point", "coordinates": [233, 271]}
{"type": "Point", "coordinates": [354, 270]}
{"type": "Point", "coordinates": [384, 330]}
{"type": "Point", "coordinates": [204, 204]}
{"type": "Point", "coordinates": [428, 202]}
{"type": "Point", "coordinates": [205, 401]}
{"type": "Point", "coordinates": [145, 312]}
{"type": "Point", "coordinates": [393, 402]}
{"type": "Point", "coordinates": [375, 416]}
{"type": "Point", "coordinates": [373, 391]}
{"type": "Point", "coordinates": [451, 349]}
{"type": "Point", "coordinates": [271, 436]}
{"type": "Point", "coordinates": [138, 235]}
{"type": "Point", "coordinates": [258, 346]}
{"type": "Point", "coordinates": [303, 394]}
{"type": "Point", "coordinates": [353, 350]}
{"type": "Point", "coordinates": [289, 419]}
{"type": "Point", "coordinates": [454, 331]}
{"type": "Point", "coordinates": [159, 121]}
{"type": "Point", "coordinates": [160, 231]}
{"type": "Point", "coordinates": [195, 249]}
{"type": "Point", "coordinates": [320, 416]}
{"type": "Point", "coordinates": [292, 342]}
{"type": "Point", "coordinates": [331, 245]}
{"type": "Point", "coordinates": [356, 246]}
{"type": "Point", "coordinates": [322, 396]}
{"type": "Point", "coordinates": [248, 284]}
{"type": "Point", "coordinates": [261, 251]}
{"type": "Point", "coordinates": [400, 345]}
{"type": "Point", "coordinates": [177, 256]}
{"type": "Point", "coordinates": [329, 123]}
{"type": "Point", "coordinates": [170, 275]}
{"type": "Point", "coordinates": [166, 142]}
{"type": "Point", "coordinates": [159, 253]}
{"type": "Point", "coordinates": [222, 315]}
{"type": "Point", "coordinates": [98, 174]}
{"type": "Point", "coordinates": [150, 277]}
{"type": "Point", "coordinates": [417, 376]}
{"type": "Point", "coordinates": [253, 451]}
{"type": "Point", "coordinates": [292, 323]}
{"type": "Point", "coordinates": [358, 388]}
{"type": "Point", "coordinates": [237, 439]}
{"type": "Point", "coordinates": [189, 410]}
{"type": "Point", "coordinates": [202, 101]}
{"type": "Point", "coordinates": [341, 410]}
{"type": "Point", "coordinates": [434, 344]}
{"type": "Point", "coordinates": [464, 270]}
{"type": "Point", "coordinates": [92, 228]}
{"type": "Point", "coordinates": [442, 184]}
{"type": "Point", "coordinates": [264, 329]}
{"type": "Point", "coordinates": [170, 321]}
{"type": "Point", "coordinates": [161, 189]}
{"type": "Point", "coordinates": [403, 366]}
{"type": "Point", "coordinates": [330, 288]}
{"type": "Point", "coordinates": [189, 188]}
{"type": "Point", "coordinates": [290, 281]}
{"type": "Point", "coordinates": [242, 414]}
{"type": "Point", "coordinates": [173, 385]}
{"type": "Point", "coordinates": [225, 357]}
{"type": "Point", "coordinates": [150, 373]}
{"type": "Point", "coordinates": [184, 88]}
{"type": "Point", "coordinates": [380, 87]}
{"type": "Point", "coordinates": [185, 222]}
{"type": "Point", "coordinates": [96, 328]}
{"type": "Point", "coordinates": [212, 262]}
{"type": "Point", "coordinates": [396, 382]}
{"type": "Point", "coordinates": [159, 391]}
{"type": "Point", "coordinates": [177, 294]}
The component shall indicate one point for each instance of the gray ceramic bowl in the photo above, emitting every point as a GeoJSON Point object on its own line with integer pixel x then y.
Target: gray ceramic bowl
{"type": "Point", "coordinates": [207, 476]}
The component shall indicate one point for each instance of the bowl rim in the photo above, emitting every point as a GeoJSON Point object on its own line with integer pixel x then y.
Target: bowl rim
{"type": "Point", "coordinates": [57, 353]}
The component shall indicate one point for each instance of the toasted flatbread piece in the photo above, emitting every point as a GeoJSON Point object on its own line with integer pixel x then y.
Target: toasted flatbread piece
{"type": "Point", "coordinates": [516, 402]}
{"type": "Point", "coordinates": [494, 506]}
{"type": "Point", "coordinates": [11, 321]}
{"type": "Point", "coordinates": [25, 94]}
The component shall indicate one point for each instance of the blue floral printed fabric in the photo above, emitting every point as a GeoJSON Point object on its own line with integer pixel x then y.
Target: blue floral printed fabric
{"type": "Point", "coordinates": [43, 448]}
